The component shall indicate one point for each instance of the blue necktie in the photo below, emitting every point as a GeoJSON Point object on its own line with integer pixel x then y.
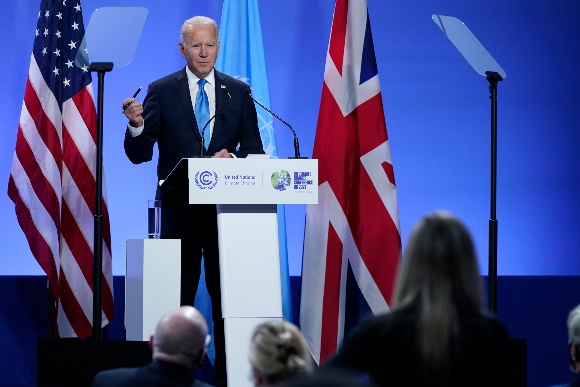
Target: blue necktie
{"type": "Point", "coordinates": [202, 112]}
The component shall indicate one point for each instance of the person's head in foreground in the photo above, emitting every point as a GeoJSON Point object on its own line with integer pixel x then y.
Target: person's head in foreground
{"type": "Point", "coordinates": [278, 352]}
{"type": "Point", "coordinates": [180, 338]}
{"type": "Point", "coordinates": [574, 339]}
{"type": "Point", "coordinates": [439, 278]}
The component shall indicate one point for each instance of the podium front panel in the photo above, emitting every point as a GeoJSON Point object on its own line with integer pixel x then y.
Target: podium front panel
{"type": "Point", "coordinates": [253, 181]}
{"type": "Point", "coordinates": [249, 261]}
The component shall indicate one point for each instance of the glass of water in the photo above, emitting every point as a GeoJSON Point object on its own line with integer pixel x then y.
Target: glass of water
{"type": "Point", "coordinates": [154, 219]}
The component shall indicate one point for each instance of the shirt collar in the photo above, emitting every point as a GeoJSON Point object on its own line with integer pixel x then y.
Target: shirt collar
{"type": "Point", "coordinates": [192, 78]}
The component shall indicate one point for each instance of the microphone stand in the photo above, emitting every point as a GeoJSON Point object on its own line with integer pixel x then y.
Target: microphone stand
{"type": "Point", "coordinates": [296, 144]}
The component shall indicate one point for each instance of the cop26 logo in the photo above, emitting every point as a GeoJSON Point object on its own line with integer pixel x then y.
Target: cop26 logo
{"type": "Point", "coordinates": [206, 179]}
{"type": "Point", "coordinates": [280, 180]}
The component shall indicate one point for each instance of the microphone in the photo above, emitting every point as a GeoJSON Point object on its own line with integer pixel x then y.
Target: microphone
{"type": "Point", "coordinates": [225, 90]}
{"type": "Point", "coordinates": [296, 144]}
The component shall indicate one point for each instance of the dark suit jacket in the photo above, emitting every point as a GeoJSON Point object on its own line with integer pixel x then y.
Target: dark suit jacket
{"type": "Point", "coordinates": [170, 121]}
{"type": "Point", "coordinates": [154, 374]}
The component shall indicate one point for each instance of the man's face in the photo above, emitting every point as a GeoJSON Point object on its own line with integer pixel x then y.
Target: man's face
{"type": "Point", "coordinates": [200, 49]}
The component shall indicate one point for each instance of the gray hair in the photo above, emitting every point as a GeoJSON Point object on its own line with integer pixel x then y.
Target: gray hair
{"type": "Point", "coordinates": [278, 351]}
{"type": "Point", "coordinates": [574, 326]}
{"type": "Point", "coordinates": [197, 21]}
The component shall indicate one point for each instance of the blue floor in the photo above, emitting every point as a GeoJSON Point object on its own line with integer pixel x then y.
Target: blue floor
{"type": "Point", "coordinates": [533, 308]}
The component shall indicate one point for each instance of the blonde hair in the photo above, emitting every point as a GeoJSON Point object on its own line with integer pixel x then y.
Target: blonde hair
{"type": "Point", "coordinates": [278, 351]}
{"type": "Point", "coordinates": [439, 278]}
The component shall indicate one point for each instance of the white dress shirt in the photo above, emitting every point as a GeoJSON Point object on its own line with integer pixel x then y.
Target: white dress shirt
{"type": "Point", "coordinates": [209, 88]}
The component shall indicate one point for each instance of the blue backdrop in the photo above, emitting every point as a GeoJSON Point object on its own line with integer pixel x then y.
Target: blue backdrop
{"type": "Point", "coordinates": [436, 106]}
{"type": "Point", "coordinates": [437, 111]}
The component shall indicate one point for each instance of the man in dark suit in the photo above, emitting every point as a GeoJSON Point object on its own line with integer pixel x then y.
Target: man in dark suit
{"type": "Point", "coordinates": [174, 112]}
{"type": "Point", "coordinates": [178, 351]}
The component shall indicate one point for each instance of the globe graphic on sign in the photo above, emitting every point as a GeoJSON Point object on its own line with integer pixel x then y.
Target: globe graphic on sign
{"type": "Point", "coordinates": [281, 180]}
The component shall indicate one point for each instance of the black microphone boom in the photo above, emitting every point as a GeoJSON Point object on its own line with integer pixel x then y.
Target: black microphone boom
{"type": "Point", "coordinates": [225, 90]}
{"type": "Point", "coordinates": [296, 144]}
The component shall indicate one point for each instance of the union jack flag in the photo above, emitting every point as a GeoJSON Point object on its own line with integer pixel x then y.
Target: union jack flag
{"type": "Point", "coordinates": [52, 180]}
{"type": "Point", "coordinates": [353, 232]}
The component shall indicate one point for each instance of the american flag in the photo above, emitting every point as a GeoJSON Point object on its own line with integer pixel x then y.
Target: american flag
{"type": "Point", "coordinates": [52, 180]}
{"type": "Point", "coordinates": [352, 238]}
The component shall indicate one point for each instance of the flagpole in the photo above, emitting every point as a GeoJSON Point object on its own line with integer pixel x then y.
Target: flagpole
{"type": "Point", "coordinates": [100, 68]}
{"type": "Point", "coordinates": [493, 78]}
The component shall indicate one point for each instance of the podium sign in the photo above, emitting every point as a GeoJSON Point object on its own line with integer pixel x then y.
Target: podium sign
{"type": "Point", "coordinates": [248, 181]}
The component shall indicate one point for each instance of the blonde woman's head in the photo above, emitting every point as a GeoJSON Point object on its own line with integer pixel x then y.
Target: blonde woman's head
{"type": "Point", "coordinates": [277, 352]}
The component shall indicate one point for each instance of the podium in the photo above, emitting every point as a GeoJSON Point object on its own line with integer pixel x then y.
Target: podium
{"type": "Point", "coordinates": [246, 192]}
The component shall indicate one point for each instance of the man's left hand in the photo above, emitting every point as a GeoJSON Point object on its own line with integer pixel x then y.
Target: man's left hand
{"type": "Point", "coordinates": [223, 154]}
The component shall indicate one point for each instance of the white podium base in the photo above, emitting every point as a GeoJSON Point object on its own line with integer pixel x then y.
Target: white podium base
{"type": "Point", "coordinates": [152, 284]}
{"type": "Point", "coordinates": [250, 279]}
{"type": "Point", "coordinates": [249, 261]}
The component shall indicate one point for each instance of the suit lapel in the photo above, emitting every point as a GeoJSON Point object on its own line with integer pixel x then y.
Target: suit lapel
{"type": "Point", "coordinates": [182, 91]}
{"type": "Point", "coordinates": [220, 99]}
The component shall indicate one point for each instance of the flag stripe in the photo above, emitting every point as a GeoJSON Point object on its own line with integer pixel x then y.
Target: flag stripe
{"type": "Point", "coordinates": [76, 242]}
{"type": "Point", "coordinates": [47, 99]}
{"type": "Point", "coordinates": [338, 34]}
{"type": "Point", "coordinates": [40, 231]}
{"type": "Point", "coordinates": [107, 295]}
{"type": "Point", "coordinates": [40, 248]}
{"type": "Point", "coordinates": [63, 327]}
{"type": "Point", "coordinates": [78, 320]}
{"type": "Point", "coordinates": [85, 105]}
{"type": "Point", "coordinates": [77, 143]}
{"type": "Point", "coordinates": [330, 308]}
{"type": "Point", "coordinates": [49, 135]}
{"type": "Point", "coordinates": [43, 187]}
